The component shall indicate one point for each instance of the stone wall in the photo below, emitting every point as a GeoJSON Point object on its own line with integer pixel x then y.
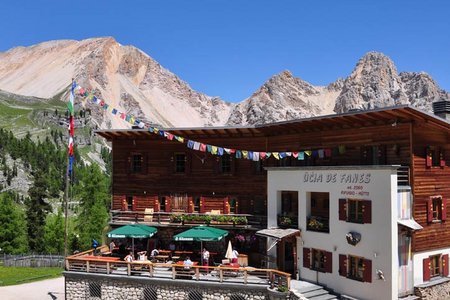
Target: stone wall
{"type": "Point", "coordinates": [438, 291]}
{"type": "Point", "coordinates": [97, 286]}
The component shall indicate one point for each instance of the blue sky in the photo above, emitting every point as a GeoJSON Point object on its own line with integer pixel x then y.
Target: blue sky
{"type": "Point", "coordinates": [229, 48]}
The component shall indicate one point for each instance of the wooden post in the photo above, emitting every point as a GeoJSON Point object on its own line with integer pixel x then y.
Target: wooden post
{"type": "Point", "coordinates": [108, 269]}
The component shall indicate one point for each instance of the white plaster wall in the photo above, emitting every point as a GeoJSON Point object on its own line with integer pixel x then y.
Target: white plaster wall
{"type": "Point", "coordinates": [379, 239]}
{"type": "Point", "coordinates": [418, 263]}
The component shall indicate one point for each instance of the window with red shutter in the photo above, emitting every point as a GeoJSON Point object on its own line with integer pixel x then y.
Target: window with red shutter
{"type": "Point", "coordinates": [328, 262]}
{"type": "Point", "coordinates": [343, 209]}
{"type": "Point", "coordinates": [444, 209]}
{"type": "Point", "coordinates": [343, 265]}
{"type": "Point", "coordinates": [430, 210]}
{"type": "Point", "coordinates": [167, 206]}
{"type": "Point", "coordinates": [426, 269]}
{"type": "Point", "coordinates": [367, 211]}
{"type": "Point", "coordinates": [445, 265]}
{"type": "Point", "coordinates": [307, 258]}
{"type": "Point", "coordinates": [428, 157]}
{"type": "Point", "coordinates": [441, 159]}
{"type": "Point", "coordinates": [367, 274]}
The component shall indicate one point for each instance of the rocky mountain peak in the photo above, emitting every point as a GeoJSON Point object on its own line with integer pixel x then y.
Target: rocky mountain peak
{"type": "Point", "coordinates": [373, 83]}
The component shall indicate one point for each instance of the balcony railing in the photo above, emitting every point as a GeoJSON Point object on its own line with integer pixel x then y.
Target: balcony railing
{"type": "Point", "coordinates": [87, 262]}
{"type": "Point", "coordinates": [319, 224]}
{"type": "Point", "coordinates": [177, 218]}
{"type": "Point", "coordinates": [287, 221]}
{"type": "Point", "coordinates": [403, 175]}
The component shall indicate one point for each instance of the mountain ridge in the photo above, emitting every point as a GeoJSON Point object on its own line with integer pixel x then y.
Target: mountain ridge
{"type": "Point", "coordinates": [132, 81]}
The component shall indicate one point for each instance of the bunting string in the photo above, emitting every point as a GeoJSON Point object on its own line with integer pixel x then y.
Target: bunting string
{"type": "Point", "coordinates": [202, 147]}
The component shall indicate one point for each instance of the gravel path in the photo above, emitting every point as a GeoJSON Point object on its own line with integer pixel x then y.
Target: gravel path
{"type": "Point", "coordinates": [40, 290]}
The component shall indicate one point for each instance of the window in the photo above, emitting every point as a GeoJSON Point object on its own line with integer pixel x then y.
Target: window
{"type": "Point", "coordinates": [225, 164]}
{"type": "Point", "coordinates": [318, 260]}
{"type": "Point", "coordinates": [180, 163]}
{"type": "Point", "coordinates": [436, 209]}
{"type": "Point", "coordinates": [355, 267]}
{"type": "Point", "coordinates": [258, 167]}
{"type": "Point", "coordinates": [136, 164]}
{"type": "Point", "coordinates": [434, 157]}
{"type": "Point", "coordinates": [95, 290]}
{"type": "Point", "coordinates": [434, 266]}
{"type": "Point", "coordinates": [318, 210]}
{"type": "Point", "coordinates": [355, 210]}
{"type": "Point", "coordinates": [129, 202]}
{"type": "Point", "coordinates": [373, 155]}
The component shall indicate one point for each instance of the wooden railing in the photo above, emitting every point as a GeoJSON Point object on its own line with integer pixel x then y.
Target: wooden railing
{"type": "Point", "coordinates": [177, 218]}
{"type": "Point", "coordinates": [85, 262]}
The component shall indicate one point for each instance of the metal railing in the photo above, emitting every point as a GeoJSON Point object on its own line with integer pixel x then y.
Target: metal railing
{"type": "Point", "coordinates": [85, 262]}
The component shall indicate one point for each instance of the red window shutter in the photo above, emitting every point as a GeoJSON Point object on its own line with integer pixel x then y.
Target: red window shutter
{"type": "Point", "coordinates": [307, 258]}
{"type": "Point", "coordinates": [343, 265]}
{"type": "Point", "coordinates": [328, 262]}
{"type": "Point", "coordinates": [444, 209]}
{"type": "Point", "coordinates": [367, 275]}
{"type": "Point", "coordinates": [430, 210]}
{"type": "Point", "coordinates": [190, 205]}
{"type": "Point", "coordinates": [445, 265]}
{"type": "Point", "coordinates": [124, 203]}
{"type": "Point", "coordinates": [156, 205]}
{"type": "Point", "coordinates": [133, 204]}
{"type": "Point", "coordinates": [168, 203]}
{"type": "Point", "coordinates": [441, 159]}
{"type": "Point", "coordinates": [429, 157]}
{"type": "Point", "coordinates": [226, 205]}
{"type": "Point", "coordinates": [202, 205]}
{"type": "Point", "coordinates": [367, 211]}
{"type": "Point", "coordinates": [426, 269]}
{"type": "Point", "coordinates": [343, 209]}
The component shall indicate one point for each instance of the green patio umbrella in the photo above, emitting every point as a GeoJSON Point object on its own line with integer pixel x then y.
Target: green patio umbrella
{"type": "Point", "coordinates": [133, 231]}
{"type": "Point", "coordinates": [201, 234]}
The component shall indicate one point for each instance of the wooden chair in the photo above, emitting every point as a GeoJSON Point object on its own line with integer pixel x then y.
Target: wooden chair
{"type": "Point", "coordinates": [148, 215]}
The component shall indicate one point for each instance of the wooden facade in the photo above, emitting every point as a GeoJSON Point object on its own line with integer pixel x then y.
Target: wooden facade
{"type": "Point", "coordinates": [202, 182]}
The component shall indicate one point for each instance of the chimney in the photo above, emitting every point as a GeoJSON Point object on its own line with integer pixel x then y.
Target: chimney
{"type": "Point", "coordinates": [442, 109]}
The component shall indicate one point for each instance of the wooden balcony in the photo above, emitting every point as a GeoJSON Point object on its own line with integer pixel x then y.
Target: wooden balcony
{"type": "Point", "coordinates": [90, 262]}
{"type": "Point", "coordinates": [177, 218]}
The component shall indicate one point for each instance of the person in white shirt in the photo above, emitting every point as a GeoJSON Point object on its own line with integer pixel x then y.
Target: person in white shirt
{"type": "Point", "coordinates": [205, 258]}
{"type": "Point", "coordinates": [142, 255]}
{"type": "Point", "coordinates": [129, 257]}
{"type": "Point", "coordinates": [187, 263]}
{"type": "Point", "coordinates": [234, 256]}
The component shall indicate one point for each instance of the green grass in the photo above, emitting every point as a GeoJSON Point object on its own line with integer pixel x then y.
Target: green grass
{"type": "Point", "coordinates": [18, 275]}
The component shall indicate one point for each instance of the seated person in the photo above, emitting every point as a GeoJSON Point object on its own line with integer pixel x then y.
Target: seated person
{"type": "Point", "coordinates": [129, 257]}
{"type": "Point", "coordinates": [234, 256]}
{"type": "Point", "coordinates": [187, 263]}
{"type": "Point", "coordinates": [154, 253]}
{"type": "Point", "coordinates": [142, 255]}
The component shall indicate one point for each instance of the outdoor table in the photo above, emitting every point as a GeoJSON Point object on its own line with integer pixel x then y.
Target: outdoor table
{"type": "Point", "coordinates": [162, 258]}
{"type": "Point", "coordinates": [101, 258]}
{"type": "Point", "coordinates": [163, 252]}
{"type": "Point", "coordinates": [183, 252]}
{"type": "Point", "coordinates": [181, 263]}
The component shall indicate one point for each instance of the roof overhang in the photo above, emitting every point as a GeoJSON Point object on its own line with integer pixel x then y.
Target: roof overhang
{"type": "Point", "coordinates": [410, 223]}
{"type": "Point", "coordinates": [278, 233]}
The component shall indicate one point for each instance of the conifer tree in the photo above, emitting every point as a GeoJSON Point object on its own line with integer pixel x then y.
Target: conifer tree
{"type": "Point", "coordinates": [37, 210]}
{"type": "Point", "coordinates": [13, 236]}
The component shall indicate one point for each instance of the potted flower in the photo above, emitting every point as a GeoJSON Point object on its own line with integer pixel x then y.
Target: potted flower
{"type": "Point", "coordinates": [176, 218]}
{"type": "Point", "coordinates": [281, 292]}
{"type": "Point", "coordinates": [314, 223]}
{"type": "Point", "coordinates": [285, 221]}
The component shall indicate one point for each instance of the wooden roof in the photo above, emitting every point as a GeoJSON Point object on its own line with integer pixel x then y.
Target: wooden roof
{"type": "Point", "coordinates": [383, 116]}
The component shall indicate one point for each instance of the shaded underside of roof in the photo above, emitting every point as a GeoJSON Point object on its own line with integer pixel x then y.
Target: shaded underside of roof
{"type": "Point", "coordinates": [383, 116]}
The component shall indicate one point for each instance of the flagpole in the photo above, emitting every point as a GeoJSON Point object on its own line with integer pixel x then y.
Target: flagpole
{"type": "Point", "coordinates": [69, 170]}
